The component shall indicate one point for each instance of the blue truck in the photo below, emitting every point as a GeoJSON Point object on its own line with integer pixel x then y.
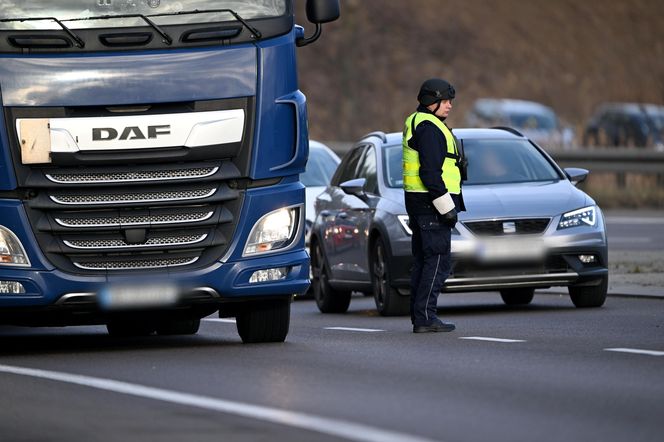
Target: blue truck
{"type": "Point", "coordinates": [150, 153]}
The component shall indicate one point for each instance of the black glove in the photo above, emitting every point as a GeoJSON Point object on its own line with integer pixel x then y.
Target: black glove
{"type": "Point", "coordinates": [450, 218]}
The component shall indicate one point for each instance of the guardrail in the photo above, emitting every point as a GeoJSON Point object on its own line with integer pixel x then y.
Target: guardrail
{"type": "Point", "coordinates": [617, 160]}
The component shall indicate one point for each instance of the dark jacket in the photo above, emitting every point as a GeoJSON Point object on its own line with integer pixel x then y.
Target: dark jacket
{"type": "Point", "coordinates": [431, 146]}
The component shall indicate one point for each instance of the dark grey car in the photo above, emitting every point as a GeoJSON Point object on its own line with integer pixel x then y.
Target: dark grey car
{"type": "Point", "coordinates": [527, 226]}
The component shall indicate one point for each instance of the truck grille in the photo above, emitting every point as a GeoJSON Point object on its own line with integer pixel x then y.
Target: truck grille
{"type": "Point", "coordinates": [142, 264]}
{"type": "Point", "coordinates": [139, 176]}
{"type": "Point", "coordinates": [88, 220]}
{"type": "Point", "coordinates": [525, 226]}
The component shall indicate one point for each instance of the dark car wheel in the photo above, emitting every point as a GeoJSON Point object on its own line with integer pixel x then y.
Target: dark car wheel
{"type": "Point", "coordinates": [327, 298]}
{"type": "Point", "coordinates": [520, 296]}
{"type": "Point", "coordinates": [178, 326]}
{"type": "Point", "coordinates": [388, 300]}
{"type": "Point", "coordinates": [591, 296]}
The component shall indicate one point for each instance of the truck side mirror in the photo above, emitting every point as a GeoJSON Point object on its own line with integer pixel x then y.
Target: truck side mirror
{"type": "Point", "coordinates": [322, 11]}
{"type": "Point", "coordinates": [318, 12]}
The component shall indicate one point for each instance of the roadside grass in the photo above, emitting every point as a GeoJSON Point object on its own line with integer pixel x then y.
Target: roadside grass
{"type": "Point", "coordinates": [635, 191]}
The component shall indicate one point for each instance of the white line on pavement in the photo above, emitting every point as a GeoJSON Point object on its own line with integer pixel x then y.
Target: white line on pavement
{"type": "Point", "coordinates": [367, 330]}
{"type": "Point", "coordinates": [637, 351]}
{"type": "Point", "coordinates": [627, 239]}
{"type": "Point", "coordinates": [225, 320]}
{"type": "Point", "coordinates": [333, 427]}
{"type": "Point", "coordinates": [633, 220]}
{"type": "Point", "coordinates": [481, 338]}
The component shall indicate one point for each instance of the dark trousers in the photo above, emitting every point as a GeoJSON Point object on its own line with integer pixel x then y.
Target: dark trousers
{"type": "Point", "coordinates": [431, 265]}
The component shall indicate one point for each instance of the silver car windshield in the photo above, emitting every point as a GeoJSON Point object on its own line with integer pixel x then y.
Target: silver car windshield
{"type": "Point", "coordinates": [320, 168]}
{"type": "Point", "coordinates": [489, 162]}
{"type": "Point", "coordinates": [72, 11]}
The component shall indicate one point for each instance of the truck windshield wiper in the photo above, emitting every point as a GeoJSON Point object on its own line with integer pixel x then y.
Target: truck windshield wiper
{"type": "Point", "coordinates": [146, 18]}
{"type": "Point", "coordinates": [79, 42]}
{"type": "Point", "coordinates": [166, 38]}
{"type": "Point", "coordinates": [255, 32]}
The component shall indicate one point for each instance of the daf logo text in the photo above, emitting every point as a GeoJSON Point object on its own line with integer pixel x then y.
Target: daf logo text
{"type": "Point", "coordinates": [129, 133]}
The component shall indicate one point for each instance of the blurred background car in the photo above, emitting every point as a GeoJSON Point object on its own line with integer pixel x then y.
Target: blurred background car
{"type": "Point", "coordinates": [626, 124]}
{"type": "Point", "coordinates": [536, 121]}
{"type": "Point", "coordinates": [527, 226]}
{"type": "Point", "coordinates": [320, 167]}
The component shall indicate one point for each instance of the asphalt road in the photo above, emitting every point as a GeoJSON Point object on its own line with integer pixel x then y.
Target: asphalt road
{"type": "Point", "coordinates": [553, 378]}
{"type": "Point", "coordinates": [643, 231]}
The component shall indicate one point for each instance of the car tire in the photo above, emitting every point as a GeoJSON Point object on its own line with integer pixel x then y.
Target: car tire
{"type": "Point", "coordinates": [127, 329]}
{"type": "Point", "coordinates": [388, 300]}
{"type": "Point", "coordinates": [590, 296]}
{"type": "Point", "coordinates": [327, 298]}
{"type": "Point", "coordinates": [178, 327]}
{"type": "Point", "coordinates": [520, 296]}
{"type": "Point", "coordinates": [266, 321]}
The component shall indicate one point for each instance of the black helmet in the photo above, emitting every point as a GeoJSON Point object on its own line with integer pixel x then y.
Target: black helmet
{"type": "Point", "coordinates": [435, 90]}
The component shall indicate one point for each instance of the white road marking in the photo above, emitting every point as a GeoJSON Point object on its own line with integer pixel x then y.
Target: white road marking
{"type": "Point", "coordinates": [225, 320]}
{"type": "Point", "coordinates": [481, 338]}
{"type": "Point", "coordinates": [626, 239]}
{"type": "Point", "coordinates": [633, 220]}
{"type": "Point", "coordinates": [334, 427]}
{"type": "Point", "coordinates": [367, 330]}
{"type": "Point", "coordinates": [637, 351]}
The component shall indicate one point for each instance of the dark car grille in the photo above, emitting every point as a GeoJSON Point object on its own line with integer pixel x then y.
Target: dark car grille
{"type": "Point", "coordinates": [92, 220]}
{"type": "Point", "coordinates": [527, 226]}
{"type": "Point", "coordinates": [474, 269]}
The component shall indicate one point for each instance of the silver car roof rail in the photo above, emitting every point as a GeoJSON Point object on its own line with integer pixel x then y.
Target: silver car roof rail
{"type": "Point", "coordinates": [378, 133]}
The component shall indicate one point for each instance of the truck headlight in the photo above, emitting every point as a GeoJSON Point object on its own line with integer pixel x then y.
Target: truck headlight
{"type": "Point", "coordinates": [580, 217]}
{"type": "Point", "coordinates": [274, 231]}
{"type": "Point", "coordinates": [12, 252]}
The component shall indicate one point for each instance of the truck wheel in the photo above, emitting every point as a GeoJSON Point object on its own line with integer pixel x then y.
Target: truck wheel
{"type": "Point", "coordinates": [328, 299]}
{"type": "Point", "coordinates": [266, 321]}
{"type": "Point", "coordinates": [388, 300]}
{"type": "Point", "coordinates": [178, 327]}
{"type": "Point", "coordinates": [591, 296]}
{"type": "Point", "coordinates": [125, 329]}
{"type": "Point", "coordinates": [520, 296]}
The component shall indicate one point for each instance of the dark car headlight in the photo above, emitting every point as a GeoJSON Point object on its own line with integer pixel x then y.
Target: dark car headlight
{"type": "Point", "coordinates": [581, 217]}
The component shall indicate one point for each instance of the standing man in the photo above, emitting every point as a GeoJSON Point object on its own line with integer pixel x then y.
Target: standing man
{"type": "Point", "coordinates": [432, 181]}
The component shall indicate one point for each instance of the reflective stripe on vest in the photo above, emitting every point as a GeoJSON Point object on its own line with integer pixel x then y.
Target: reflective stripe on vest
{"type": "Point", "coordinates": [451, 174]}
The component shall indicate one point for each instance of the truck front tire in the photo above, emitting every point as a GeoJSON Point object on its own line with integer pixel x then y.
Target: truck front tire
{"type": "Point", "coordinates": [265, 321]}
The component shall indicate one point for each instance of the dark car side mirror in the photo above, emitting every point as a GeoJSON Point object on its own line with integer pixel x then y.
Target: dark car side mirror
{"type": "Point", "coordinates": [576, 175]}
{"type": "Point", "coordinates": [355, 187]}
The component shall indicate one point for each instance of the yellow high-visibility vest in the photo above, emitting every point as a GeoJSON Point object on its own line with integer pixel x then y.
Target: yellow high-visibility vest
{"type": "Point", "coordinates": [451, 174]}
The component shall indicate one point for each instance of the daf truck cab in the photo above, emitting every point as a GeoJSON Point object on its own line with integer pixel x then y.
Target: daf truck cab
{"type": "Point", "coordinates": [150, 153]}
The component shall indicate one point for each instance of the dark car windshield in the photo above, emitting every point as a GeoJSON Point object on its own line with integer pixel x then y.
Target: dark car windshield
{"type": "Point", "coordinates": [320, 168]}
{"type": "Point", "coordinates": [489, 162]}
{"type": "Point", "coordinates": [67, 10]}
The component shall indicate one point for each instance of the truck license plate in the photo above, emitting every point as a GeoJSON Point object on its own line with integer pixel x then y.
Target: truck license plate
{"type": "Point", "coordinates": [138, 296]}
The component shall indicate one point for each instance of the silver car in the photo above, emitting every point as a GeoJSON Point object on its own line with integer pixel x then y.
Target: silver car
{"type": "Point", "coordinates": [527, 226]}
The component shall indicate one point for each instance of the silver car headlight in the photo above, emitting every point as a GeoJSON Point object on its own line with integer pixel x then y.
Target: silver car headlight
{"type": "Point", "coordinates": [274, 231]}
{"type": "Point", "coordinates": [581, 217]}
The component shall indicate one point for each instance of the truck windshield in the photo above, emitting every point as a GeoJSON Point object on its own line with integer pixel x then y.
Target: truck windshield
{"type": "Point", "coordinates": [72, 11]}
